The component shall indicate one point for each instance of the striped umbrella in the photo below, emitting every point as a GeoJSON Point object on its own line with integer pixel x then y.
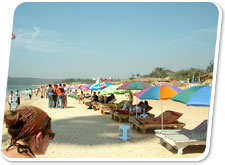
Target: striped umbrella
{"type": "Point", "coordinates": [159, 92]}
{"type": "Point", "coordinates": [195, 96]}
{"type": "Point", "coordinates": [134, 85]}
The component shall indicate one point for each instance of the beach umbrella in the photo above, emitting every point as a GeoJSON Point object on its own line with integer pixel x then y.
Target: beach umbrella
{"type": "Point", "coordinates": [113, 90]}
{"type": "Point", "coordinates": [86, 87]}
{"type": "Point", "coordinates": [134, 85]}
{"type": "Point", "coordinates": [159, 92]}
{"type": "Point", "coordinates": [195, 96]}
{"type": "Point", "coordinates": [105, 84]}
{"type": "Point", "coordinates": [95, 87]}
{"type": "Point", "coordinates": [13, 36]}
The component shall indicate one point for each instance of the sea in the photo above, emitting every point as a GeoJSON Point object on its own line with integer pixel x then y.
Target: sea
{"type": "Point", "coordinates": [21, 88]}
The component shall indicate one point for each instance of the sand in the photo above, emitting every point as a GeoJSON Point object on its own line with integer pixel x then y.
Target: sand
{"type": "Point", "coordinates": [83, 133]}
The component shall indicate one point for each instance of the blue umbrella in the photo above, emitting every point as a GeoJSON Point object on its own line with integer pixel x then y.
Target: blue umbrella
{"type": "Point", "coordinates": [195, 96]}
{"type": "Point", "coordinates": [95, 87]}
{"type": "Point", "coordinates": [159, 92]}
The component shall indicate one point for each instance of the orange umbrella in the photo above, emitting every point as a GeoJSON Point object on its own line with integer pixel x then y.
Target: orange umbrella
{"type": "Point", "coordinates": [159, 92]}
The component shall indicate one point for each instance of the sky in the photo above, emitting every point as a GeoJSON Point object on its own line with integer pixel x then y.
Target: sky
{"type": "Point", "coordinates": [89, 40]}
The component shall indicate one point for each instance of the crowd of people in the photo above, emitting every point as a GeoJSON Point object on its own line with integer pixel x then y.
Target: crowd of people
{"type": "Point", "coordinates": [56, 94]}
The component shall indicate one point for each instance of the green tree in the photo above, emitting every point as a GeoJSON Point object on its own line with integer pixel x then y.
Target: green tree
{"type": "Point", "coordinates": [138, 75]}
{"type": "Point", "coordinates": [160, 72]}
{"type": "Point", "coordinates": [209, 68]}
{"type": "Point", "coordinates": [186, 73]}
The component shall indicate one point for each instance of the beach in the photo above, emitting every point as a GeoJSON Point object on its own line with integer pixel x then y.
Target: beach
{"type": "Point", "coordinates": [83, 133]}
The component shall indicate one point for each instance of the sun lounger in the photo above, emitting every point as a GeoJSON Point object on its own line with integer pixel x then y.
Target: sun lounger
{"type": "Point", "coordinates": [86, 101]}
{"type": "Point", "coordinates": [169, 120]}
{"type": "Point", "coordinates": [111, 106]}
{"type": "Point", "coordinates": [98, 105]}
{"type": "Point", "coordinates": [120, 115]}
{"type": "Point", "coordinates": [126, 116]}
{"type": "Point", "coordinates": [179, 139]}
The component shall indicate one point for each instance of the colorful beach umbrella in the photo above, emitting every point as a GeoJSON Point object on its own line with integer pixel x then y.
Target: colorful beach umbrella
{"type": "Point", "coordinates": [105, 84]}
{"type": "Point", "coordinates": [159, 92]}
{"type": "Point", "coordinates": [13, 36]}
{"type": "Point", "coordinates": [195, 96]}
{"type": "Point", "coordinates": [134, 85]}
{"type": "Point", "coordinates": [86, 87]}
{"type": "Point", "coordinates": [95, 87]}
{"type": "Point", "coordinates": [113, 90]}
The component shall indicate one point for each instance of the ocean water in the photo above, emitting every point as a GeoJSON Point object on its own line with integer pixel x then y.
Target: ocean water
{"type": "Point", "coordinates": [21, 88]}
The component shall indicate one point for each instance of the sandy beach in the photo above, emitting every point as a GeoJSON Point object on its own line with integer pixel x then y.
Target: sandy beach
{"type": "Point", "coordinates": [83, 133]}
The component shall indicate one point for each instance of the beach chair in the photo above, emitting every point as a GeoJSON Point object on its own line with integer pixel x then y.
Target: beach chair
{"type": "Point", "coordinates": [169, 121]}
{"type": "Point", "coordinates": [120, 115]}
{"type": "Point", "coordinates": [86, 101]}
{"type": "Point", "coordinates": [180, 139]}
{"type": "Point", "coordinates": [110, 107]}
{"type": "Point", "coordinates": [98, 105]}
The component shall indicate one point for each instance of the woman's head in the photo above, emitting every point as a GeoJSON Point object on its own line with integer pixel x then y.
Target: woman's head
{"type": "Point", "coordinates": [112, 96]}
{"type": "Point", "coordinates": [146, 103]}
{"type": "Point", "coordinates": [30, 125]}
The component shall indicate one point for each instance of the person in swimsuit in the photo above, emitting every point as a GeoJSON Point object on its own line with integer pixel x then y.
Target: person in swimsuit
{"type": "Point", "coordinates": [30, 131]}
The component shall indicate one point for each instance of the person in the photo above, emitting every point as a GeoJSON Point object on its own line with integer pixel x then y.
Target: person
{"type": "Point", "coordinates": [30, 131]}
{"type": "Point", "coordinates": [50, 96]}
{"type": "Point", "coordinates": [60, 92]}
{"type": "Point", "coordinates": [139, 107]}
{"type": "Point", "coordinates": [110, 99]}
{"type": "Point", "coordinates": [130, 96]}
{"type": "Point", "coordinates": [146, 107]}
{"type": "Point", "coordinates": [42, 92]}
{"type": "Point", "coordinates": [37, 91]}
{"type": "Point", "coordinates": [127, 106]}
{"type": "Point", "coordinates": [46, 94]}
{"type": "Point", "coordinates": [54, 95]}
{"type": "Point", "coordinates": [65, 96]}
{"type": "Point", "coordinates": [27, 97]}
{"type": "Point", "coordinates": [12, 101]}
{"type": "Point", "coordinates": [18, 97]}
{"type": "Point", "coordinates": [94, 100]}
{"type": "Point", "coordinates": [30, 93]}
{"type": "Point", "coordinates": [82, 96]}
{"type": "Point", "coordinates": [101, 99]}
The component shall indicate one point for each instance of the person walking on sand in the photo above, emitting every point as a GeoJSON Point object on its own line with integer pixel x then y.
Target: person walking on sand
{"type": "Point", "coordinates": [30, 93]}
{"type": "Point", "coordinates": [42, 92]}
{"type": "Point", "coordinates": [12, 101]}
{"type": "Point", "coordinates": [54, 95]}
{"type": "Point", "coordinates": [27, 97]}
{"type": "Point", "coordinates": [65, 96]}
{"type": "Point", "coordinates": [18, 97]}
{"type": "Point", "coordinates": [46, 91]}
{"type": "Point", "coordinates": [50, 96]}
{"type": "Point", "coordinates": [30, 131]}
{"type": "Point", "coordinates": [60, 92]}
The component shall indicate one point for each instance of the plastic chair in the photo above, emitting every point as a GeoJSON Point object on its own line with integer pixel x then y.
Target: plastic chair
{"type": "Point", "coordinates": [144, 115]}
{"type": "Point", "coordinates": [126, 132]}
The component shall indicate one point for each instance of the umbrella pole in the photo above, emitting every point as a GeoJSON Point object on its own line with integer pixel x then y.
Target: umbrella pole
{"type": "Point", "coordinates": [136, 105]}
{"type": "Point", "coordinates": [161, 114]}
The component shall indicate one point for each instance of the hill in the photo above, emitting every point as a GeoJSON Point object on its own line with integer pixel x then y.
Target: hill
{"type": "Point", "coordinates": [29, 81]}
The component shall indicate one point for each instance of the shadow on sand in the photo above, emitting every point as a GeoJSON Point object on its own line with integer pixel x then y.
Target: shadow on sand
{"type": "Point", "coordinates": [91, 130]}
